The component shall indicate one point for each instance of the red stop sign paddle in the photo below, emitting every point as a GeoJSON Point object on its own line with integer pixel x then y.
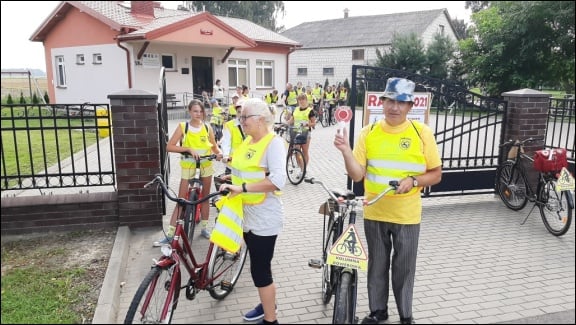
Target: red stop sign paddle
{"type": "Point", "coordinates": [343, 115]}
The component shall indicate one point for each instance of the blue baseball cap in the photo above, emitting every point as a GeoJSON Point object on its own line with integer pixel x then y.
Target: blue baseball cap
{"type": "Point", "coordinates": [399, 89]}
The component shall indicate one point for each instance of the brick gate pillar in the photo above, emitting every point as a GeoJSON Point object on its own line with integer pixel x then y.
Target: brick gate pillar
{"type": "Point", "coordinates": [136, 157]}
{"type": "Point", "coordinates": [527, 116]}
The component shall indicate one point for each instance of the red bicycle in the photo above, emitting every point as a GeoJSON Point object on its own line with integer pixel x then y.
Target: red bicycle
{"type": "Point", "coordinates": [157, 296]}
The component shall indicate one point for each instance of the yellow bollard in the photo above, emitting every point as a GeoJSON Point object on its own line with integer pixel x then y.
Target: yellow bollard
{"type": "Point", "coordinates": [102, 122]}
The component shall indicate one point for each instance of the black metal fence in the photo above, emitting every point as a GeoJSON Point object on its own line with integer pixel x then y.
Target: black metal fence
{"type": "Point", "coordinates": [56, 146]}
{"type": "Point", "coordinates": [561, 127]}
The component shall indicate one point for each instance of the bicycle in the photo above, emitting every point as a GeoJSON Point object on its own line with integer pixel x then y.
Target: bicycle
{"type": "Point", "coordinates": [513, 188]}
{"type": "Point", "coordinates": [295, 162]}
{"type": "Point", "coordinates": [192, 212]}
{"type": "Point", "coordinates": [285, 114]}
{"type": "Point", "coordinates": [341, 278]}
{"type": "Point", "coordinates": [157, 296]}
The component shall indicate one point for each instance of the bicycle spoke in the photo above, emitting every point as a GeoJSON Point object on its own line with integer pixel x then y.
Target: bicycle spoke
{"type": "Point", "coordinates": [554, 209]}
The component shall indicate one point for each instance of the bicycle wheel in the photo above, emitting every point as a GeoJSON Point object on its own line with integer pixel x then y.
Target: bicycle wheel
{"type": "Point", "coordinates": [190, 216]}
{"type": "Point", "coordinates": [159, 289]}
{"type": "Point", "coordinates": [555, 208]}
{"type": "Point", "coordinates": [283, 115]}
{"type": "Point", "coordinates": [324, 118]}
{"type": "Point", "coordinates": [512, 186]}
{"type": "Point", "coordinates": [295, 166]}
{"type": "Point", "coordinates": [224, 269]}
{"type": "Point", "coordinates": [329, 272]}
{"type": "Point", "coordinates": [345, 302]}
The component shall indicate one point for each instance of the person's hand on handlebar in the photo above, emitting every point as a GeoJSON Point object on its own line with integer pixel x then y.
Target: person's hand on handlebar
{"type": "Point", "coordinates": [191, 152]}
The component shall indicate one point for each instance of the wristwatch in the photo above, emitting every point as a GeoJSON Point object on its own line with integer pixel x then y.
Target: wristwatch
{"type": "Point", "coordinates": [414, 181]}
{"type": "Point", "coordinates": [244, 188]}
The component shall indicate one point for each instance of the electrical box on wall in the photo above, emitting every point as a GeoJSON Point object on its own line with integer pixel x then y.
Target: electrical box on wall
{"type": "Point", "coordinates": [185, 70]}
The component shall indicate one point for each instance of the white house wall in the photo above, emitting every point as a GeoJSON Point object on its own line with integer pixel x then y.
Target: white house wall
{"type": "Point", "coordinates": [434, 28]}
{"type": "Point", "coordinates": [315, 60]}
{"type": "Point", "coordinates": [90, 82]}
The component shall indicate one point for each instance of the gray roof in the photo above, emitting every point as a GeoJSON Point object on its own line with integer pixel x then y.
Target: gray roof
{"type": "Point", "coordinates": [362, 31]}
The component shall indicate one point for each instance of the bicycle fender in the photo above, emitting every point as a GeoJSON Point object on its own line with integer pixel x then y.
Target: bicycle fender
{"type": "Point", "coordinates": [570, 199]}
{"type": "Point", "coordinates": [165, 262]}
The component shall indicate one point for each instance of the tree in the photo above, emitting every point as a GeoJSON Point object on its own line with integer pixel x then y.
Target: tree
{"type": "Point", "coordinates": [22, 99]}
{"type": "Point", "coordinates": [9, 100]}
{"type": "Point", "coordinates": [521, 44]}
{"type": "Point", "coordinates": [460, 28]}
{"type": "Point", "coordinates": [35, 99]}
{"type": "Point", "coordinates": [46, 97]}
{"type": "Point", "coordinates": [263, 13]}
{"type": "Point", "coordinates": [406, 53]}
{"type": "Point", "coordinates": [476, 6]}
{"type": "Point", "coordinates": [438, 56]}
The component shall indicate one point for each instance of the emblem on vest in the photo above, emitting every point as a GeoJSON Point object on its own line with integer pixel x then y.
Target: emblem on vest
{"type": "Point", "coordinates": [405, 143]}
{"type": "Point", "coordinates": [250, 153]}
{"type": "Point", "coordinates": [203, 139]}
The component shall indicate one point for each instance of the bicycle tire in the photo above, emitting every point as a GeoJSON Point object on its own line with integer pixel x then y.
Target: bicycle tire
{"type": "Point", "coordinates": [329, 272]}
{"type": "Point", "coordinates": [555, 208]}
{"type": "Point", "coordinates": [294, 172]}
{"type": "Point", "coordinates": [282, 116]}
{"type": "Point", "coordinates": [324, 118]}
{"type": "Point", "coordinates": [511, 185]}
{"type": "Point", "coordinates": [231, 264]}
{"type": "Point", "coordinates": [154, 289]}
{"type": "Point", "coordinates": [190, 217]}
{"type": "Point", "coordinates": [344, 303]}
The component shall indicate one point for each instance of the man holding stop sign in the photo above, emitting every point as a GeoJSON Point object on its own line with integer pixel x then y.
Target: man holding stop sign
{"type": "Point", "coordinates": [393, 148]}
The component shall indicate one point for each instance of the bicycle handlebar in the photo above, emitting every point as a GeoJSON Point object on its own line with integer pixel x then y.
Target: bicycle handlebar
{"type": "Point", "coordinates": [181, 201]}
{"type": "Point", "coordinates": [520, 142]}
{"type": "Point", "coordinates": [393, 186]}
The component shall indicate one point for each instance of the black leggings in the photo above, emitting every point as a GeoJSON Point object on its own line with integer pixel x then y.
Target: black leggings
{"type": "Point", "coordinates": [261, 250]}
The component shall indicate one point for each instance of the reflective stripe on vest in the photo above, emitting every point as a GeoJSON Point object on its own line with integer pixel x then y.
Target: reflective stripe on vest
{"type": "Point", "coordinates": [228, 232]}
{"type": "Point", "coordinates": [199, 142]}
{"type": "Point", "coordinates": [392, 157]}
{"type": "Point", "coordinates": [245, 167]}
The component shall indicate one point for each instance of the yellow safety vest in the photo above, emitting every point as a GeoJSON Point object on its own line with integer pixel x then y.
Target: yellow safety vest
{"type": "Point", "coordinates": [235, 135]}
{"type": "Point", "coordinates": [343, 94]}
{"type": "Point", "coordinates": [200, 142]}
{"type": "Point", "coordinates": [271, 98]}
{"type": "Point", "coordinates": [309, 97]}
{"type": "Point", "coordinates": [232, 110]}
{"type": "Point", "coordinates": [329, 95]}
{"type": "Point", "coordinates": [292, 100]}
{"type": "Point", "coordinates": [392, 157]}
{"type": "Point", "coordinates": [301, 115]}
{"type": "Point", "coordinates": [246, 166]}
{"type": "Point", "coordinates": [217, 116]}
{"type": "Point", "coordinates": [227, 232]}
{"type": "Point", "coordinates": [317, 92]}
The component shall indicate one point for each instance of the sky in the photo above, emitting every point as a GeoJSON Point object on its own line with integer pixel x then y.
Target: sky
{"type": "Point", "coordinates": [20, 19]}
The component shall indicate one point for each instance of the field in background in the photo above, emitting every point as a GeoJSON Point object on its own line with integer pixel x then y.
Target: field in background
{"type": "Point", "coordinates": [15, 86]}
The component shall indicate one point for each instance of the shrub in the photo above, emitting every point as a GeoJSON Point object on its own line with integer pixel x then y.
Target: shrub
{"type": "Point", "coordinates": [9, 100]}
{"type": "Point", "coordinates": [46, 97]}
{"type": "Point", "coordinates": [22, 99]}
{"type": "Point", "coordinates": [35, 99]}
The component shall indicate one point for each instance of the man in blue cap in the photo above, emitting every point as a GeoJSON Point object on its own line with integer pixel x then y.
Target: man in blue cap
{"type": "Point", "coordinates": [393, 148]}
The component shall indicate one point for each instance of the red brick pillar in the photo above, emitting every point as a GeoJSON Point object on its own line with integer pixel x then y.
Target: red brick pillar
{"type": "Point", "coordinates": [136, 157]}
{"type": "Point", "coordinates": [527, 116]}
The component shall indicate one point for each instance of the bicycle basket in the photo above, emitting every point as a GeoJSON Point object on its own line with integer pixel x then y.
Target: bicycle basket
{"type": "Point", "coordinates": [550, 160]}
{"type": "Point", "coordinates": [298, 135]}
{"type": "Point", "coordinates": [330, 206]}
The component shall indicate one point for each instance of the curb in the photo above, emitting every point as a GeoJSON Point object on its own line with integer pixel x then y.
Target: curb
{"type": "Point", "coordinates": [108, 301]}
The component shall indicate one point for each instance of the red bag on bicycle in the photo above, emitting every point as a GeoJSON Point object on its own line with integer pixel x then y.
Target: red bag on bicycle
{"type": "Point", "coordinates": [550, 160]}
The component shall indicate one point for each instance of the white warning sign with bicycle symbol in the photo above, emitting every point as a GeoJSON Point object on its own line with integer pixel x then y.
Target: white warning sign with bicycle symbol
{"type": "Point", "coordinates": [565, 181]}
{"type": "Point", "coordinates": [348, 251]}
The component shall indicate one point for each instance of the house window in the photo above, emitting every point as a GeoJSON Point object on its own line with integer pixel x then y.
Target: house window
{"type": "Point", "coordinates": [328, 71]}
{"type": "Point", "coordinates": [237, 73]}
{"type": "Point", "coordinates": [60, 72]}
{"type": "Point", "coordinates": [264, 72]}
{"type": "Point", "coordinates": [79, 58]}
{"type": "Point", "coordinates": [169, 62]}
{"type": "Point", "coordinates": [302, 71]}
{"type": "Point", "coordinates": [441, 29]}
{"type": "Point", "coordinates": [97, 58]}
{"type": "Point", "coordinates": [358, 54]}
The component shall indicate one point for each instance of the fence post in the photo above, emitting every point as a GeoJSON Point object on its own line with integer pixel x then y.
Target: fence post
{"type": "Point", "coordinates": [527, 116]}
{"type": "Point", "coordinates": [136, 157]}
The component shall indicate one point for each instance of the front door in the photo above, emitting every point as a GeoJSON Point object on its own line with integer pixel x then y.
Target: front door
{"type": "Point", "coordinates": [202, 75]}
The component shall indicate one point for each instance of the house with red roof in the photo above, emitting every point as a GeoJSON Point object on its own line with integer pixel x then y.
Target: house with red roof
{"type": "Point", "coordinates": [96, 48]}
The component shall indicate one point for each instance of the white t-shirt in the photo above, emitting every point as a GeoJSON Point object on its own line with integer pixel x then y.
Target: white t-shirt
{"type": "Point", "coordinates": [218, 92]}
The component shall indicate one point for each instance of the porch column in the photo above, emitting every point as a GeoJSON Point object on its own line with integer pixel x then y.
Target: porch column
{"type": "Point", "coordinates": [136, 157]}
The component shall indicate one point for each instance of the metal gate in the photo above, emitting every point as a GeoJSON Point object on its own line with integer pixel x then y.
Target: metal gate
{"type": "Point", "coordinates": [163, 133]}
{"type": "Point", "coordinates": [467, 128]}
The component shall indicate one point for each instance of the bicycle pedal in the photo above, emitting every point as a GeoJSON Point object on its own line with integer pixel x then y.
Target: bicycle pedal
{"type": "Point", "coordinates": [315, 263]}
{"type": "Point", "coordinates": [226, 285]}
